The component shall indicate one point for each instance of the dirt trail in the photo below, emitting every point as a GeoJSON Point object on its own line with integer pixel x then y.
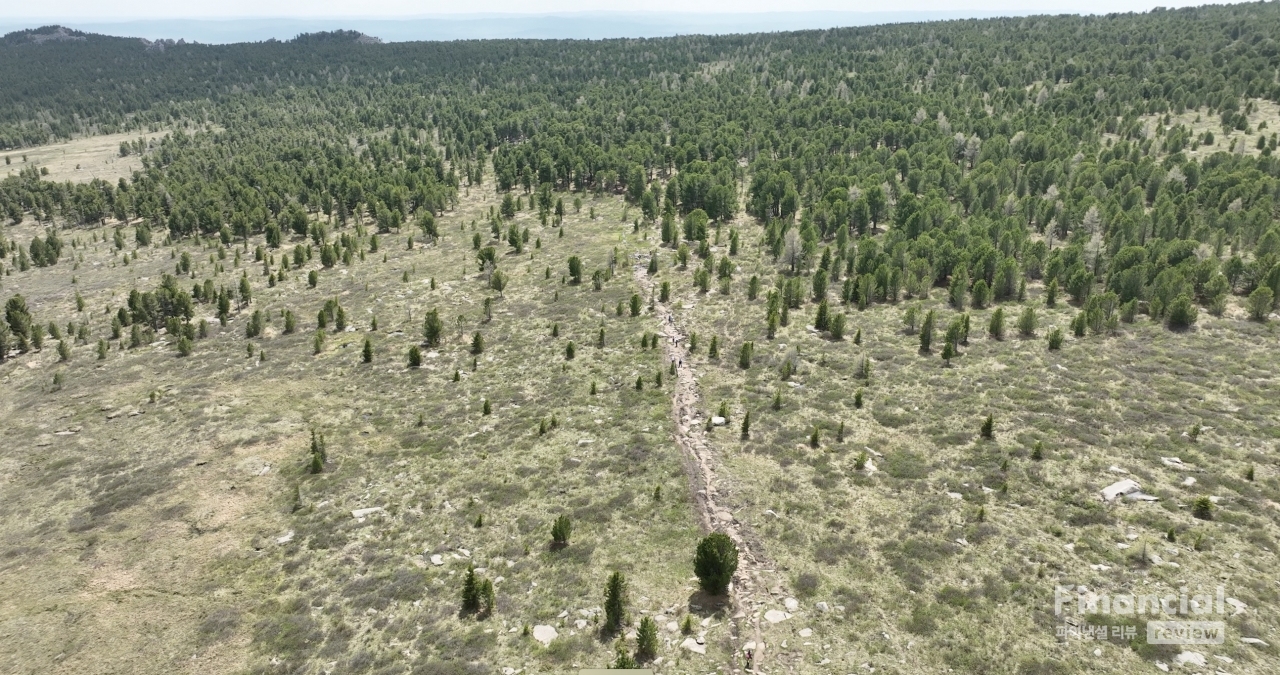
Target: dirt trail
{"type": "Point", "coordinates": [755, 576]}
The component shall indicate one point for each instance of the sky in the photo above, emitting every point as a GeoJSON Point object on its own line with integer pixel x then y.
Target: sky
{"type": "Point", "coordinates": [83, 10]}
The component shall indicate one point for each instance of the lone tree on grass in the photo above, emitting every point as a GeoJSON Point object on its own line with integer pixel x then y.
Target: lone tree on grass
{"type": "Point", "coordinates": [647, 640]}
{"type": "Point", "coordinates": [561, 530]}
{"type": "Point", "coordinates": [433, 328]}
{"type": "Point", "coordinates": [366, 354]}
{"type": "Point", "coordinates": [715, 562]}
{"type": "Point", "coordinates": [988, 430]}
{"type": "Point", "coordinates": [415, 357]}
{"type": "Point", "coordinates": [1202, 508]}
{"type": "Point", "coordinates": [615, 604]}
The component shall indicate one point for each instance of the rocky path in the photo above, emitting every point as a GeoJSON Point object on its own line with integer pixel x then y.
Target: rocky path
{"type": "Point", "coordinates": [755, 579]}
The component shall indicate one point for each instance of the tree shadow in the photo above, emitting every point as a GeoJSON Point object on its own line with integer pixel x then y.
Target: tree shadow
{"type": "Point", "coordinates": [704, 604]}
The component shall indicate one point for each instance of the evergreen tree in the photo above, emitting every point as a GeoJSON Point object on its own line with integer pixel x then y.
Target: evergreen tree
{"type": "Point", "coordinates": [1027, 322]}
{"type": "Point", "coordinates": [415, 357]}
{"type": "Point", "coordinates": [996, 327]}
{"type": "Point", "coordinates": [1055, 339]}
{"type": "Point", "coordinates": [615, 604]}
{"type": "Point", "coordinates": [561, 530]}
{"type": "Point", "coordinates": [926, 333]}
{"type": "Point", "coordinates": [471, 592]}
{"type": "Point", "coordinates": [366, 354]}
{"type": "Point", "coordinates": [988, 428]}
{"type": "Point", "coordinates": [646, 640]}
{"type": "Point", "coordinates": [477, 344]}
{"type": "Point", "coordinates": [715, 562]}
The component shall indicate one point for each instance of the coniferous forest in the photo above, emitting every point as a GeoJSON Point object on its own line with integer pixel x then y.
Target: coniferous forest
{"type": "Point", "coordinates": [805, 352]}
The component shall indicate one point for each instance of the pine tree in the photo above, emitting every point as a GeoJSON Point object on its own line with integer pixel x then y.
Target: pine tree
{"type": "Point", "coordinates": [744, 355]}
{"type": "Point", "coordinates": [487, 597]}
{"type": "Point", "coordinates": [1055, 339]}
{"type": "Point", "coordinates": [647, 640]}
{"type": "Point", "coordinates": [948, 352]}
{"type": "Point", "coordinates": [746, 425]}
{"type": "Point", "coordinates": [367, 353]}
{"type": "Point", "coordinates": [857, 399]}
{"type": "Point", "coordinates": [822, 318]}
{"type": "Point", "coordinates": [486, 409]}
{"type": "Point", "coordinates": [561, 531]}
{"type": "Point", "coordinates": [988, 430]}
{"type": "Point", "coordinates": [996, 327]}
{"type": "Point", "coordinates": [432, 328]}
{"type": "Point", "coordinates": [477, 344]}
{"type": "Point", "coordinates": [814, 440]}
{"type": "Point", "coordinates": [777, 400]}
{"type": "Point", "coordinates": [714, 350]}
{"type": "Point", "coordinates": [415, 357]}
{"type": "Point", "coordinates": [635, 304]}
{"type": "Point", "coordinates": [926, 333]}
{"type": "Point", "coordinates": [615, 604]}
{"type": "Point", "coordinates": [715, 562]}
{"type": "Point", "coordinates": [569, 351]}
{"type": "Point", "coordinates": [1027, 322]}
{"type": "Point", "coordinates": [471, 596]}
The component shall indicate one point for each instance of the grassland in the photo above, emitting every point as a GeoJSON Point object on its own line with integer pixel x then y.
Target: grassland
{"type": "Point", "coordinates": [160, 517]}
{"type": "Point", "coordinates": [81, 160]}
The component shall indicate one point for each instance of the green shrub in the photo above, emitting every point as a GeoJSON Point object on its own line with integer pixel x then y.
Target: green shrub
{"type": "Point", "coordinates": [715, 562]}
{"type": "Point", "coordinates": [561, 530]}
{"type": "Point", "coordinates": [1055, 340]}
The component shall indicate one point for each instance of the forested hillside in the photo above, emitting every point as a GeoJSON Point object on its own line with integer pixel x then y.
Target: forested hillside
{"type": "Point", "coordinates": [944, 281]}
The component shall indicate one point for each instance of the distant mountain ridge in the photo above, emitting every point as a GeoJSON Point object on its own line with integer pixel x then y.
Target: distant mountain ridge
{"type": "Point", "coordinates": [56, 33]}
{"type": "Point", "coordinates": [581, 26]}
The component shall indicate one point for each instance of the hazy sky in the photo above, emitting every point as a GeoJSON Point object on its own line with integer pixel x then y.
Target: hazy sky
{"type": "Point", "coordinates": [11, 10]}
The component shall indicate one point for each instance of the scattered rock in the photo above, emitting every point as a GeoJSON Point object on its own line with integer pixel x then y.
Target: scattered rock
{"type": "Point", "coordinates": [718, 421]}
{"type": "Point", "coordinates": [791, 604]}
{"type": "Point", "coordinates": [1240, 607]}
{"type": "Point", "coordinates": [544, 634]}
{"type": "Point", "coordinates": [437, 560]}
{"type": "Point", "coordinates": [693, 646]}
{"type": "Point", "coordinates": [361, 513]}
{"type": "Point", "coordinates": [775, 616]}
{"type": "Point", "coordinates": [580, 624]}
{"type": "Point", "coordinates": [823, 607]}
{"type": "Point", "coordinates": [673, 626]}
{"type": "Point", "coordinates": [806, 632]}
{"type": "Point", "coordinates": [288, 537]}
{"type": "Point", "coordinates": [1253, 641]}
{"type": "Point", "coordinates": [1193, 658]}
